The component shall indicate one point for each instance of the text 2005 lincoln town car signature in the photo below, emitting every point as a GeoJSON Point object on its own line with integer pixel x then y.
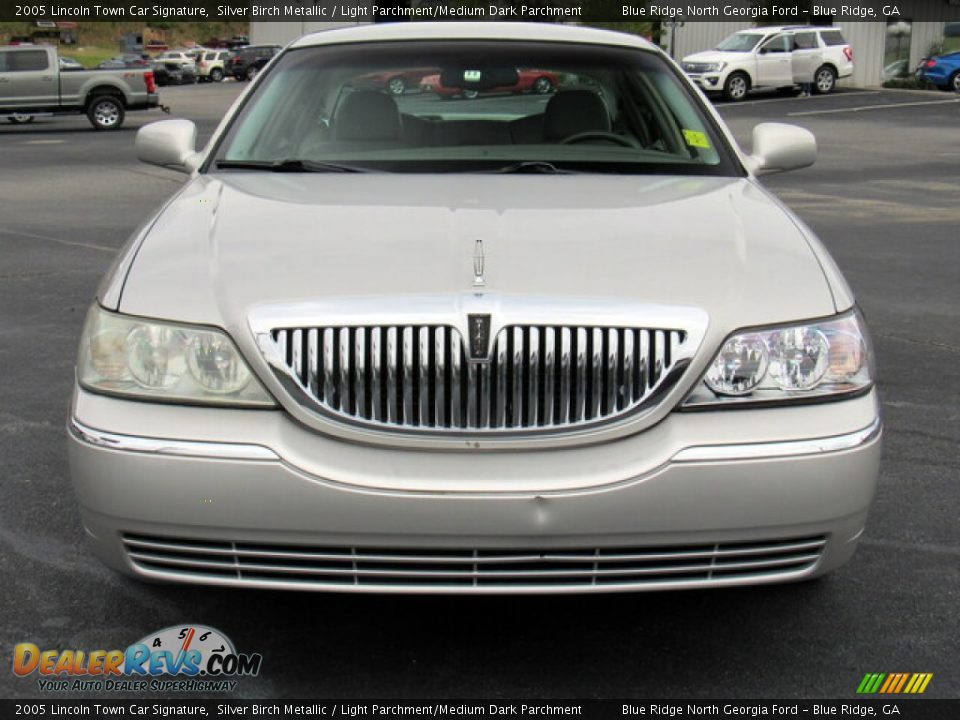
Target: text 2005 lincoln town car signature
{"type": "Point", "coordinates": [499, 342]}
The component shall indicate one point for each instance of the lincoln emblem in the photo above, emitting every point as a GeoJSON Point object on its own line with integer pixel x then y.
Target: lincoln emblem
{"type": "Point", "coordinates": [479, 340]}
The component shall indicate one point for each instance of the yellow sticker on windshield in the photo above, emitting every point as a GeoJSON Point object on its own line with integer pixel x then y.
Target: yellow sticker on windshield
{"type": "Point", "coordinates": [696, 139]}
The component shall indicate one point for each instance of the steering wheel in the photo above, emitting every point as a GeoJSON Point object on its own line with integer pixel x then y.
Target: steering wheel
{"type": "Point", "coordinates": [599, 135]}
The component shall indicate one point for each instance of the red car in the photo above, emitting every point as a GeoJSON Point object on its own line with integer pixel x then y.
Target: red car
{"type": "Point", "coordinates": [395, 82]}
{"type": "Point", "coordinates": [539, 82]}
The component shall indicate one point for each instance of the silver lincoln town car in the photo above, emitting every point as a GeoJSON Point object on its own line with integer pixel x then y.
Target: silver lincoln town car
{"type": "Point", "coordinates": [474, 308]}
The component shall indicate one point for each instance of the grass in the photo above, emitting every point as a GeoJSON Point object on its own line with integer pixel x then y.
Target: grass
{"type": "Point", "coordinates": [89, 57]}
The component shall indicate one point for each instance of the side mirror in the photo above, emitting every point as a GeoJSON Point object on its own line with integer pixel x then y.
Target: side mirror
{"type": "Point", "coordinates": [778, 147]}
{"type": "Point", "coordinates": [169, 143]}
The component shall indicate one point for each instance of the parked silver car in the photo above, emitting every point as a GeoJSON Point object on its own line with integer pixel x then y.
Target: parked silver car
{"type": "Point", "coordinates": [516, 344]}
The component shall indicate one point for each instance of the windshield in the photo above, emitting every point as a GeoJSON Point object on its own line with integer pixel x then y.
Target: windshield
{"type": "Point", "coordinates": [740, 42]}
{"type": "Point", "coordinates": [474, 105]}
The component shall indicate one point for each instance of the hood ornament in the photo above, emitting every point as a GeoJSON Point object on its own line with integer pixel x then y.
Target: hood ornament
{"type": "Point", "coordinates": [478, 265]}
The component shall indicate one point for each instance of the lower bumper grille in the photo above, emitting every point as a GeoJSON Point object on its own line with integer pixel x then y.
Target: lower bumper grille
{"type": "Point", "coordinates": [465, 570]}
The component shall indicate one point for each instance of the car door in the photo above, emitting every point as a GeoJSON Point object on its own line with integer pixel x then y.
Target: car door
{"type": "Point", "coordinates": [773, 62]}
{"type": "Point", "coordinates": [805, 56]}
{"type": "Point", "coordinates": [32, 82]}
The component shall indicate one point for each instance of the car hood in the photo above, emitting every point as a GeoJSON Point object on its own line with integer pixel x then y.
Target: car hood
{"type": "Point", "coordinates": [229, 243]}
{"type": "Point", "coordinates": [717, 56]}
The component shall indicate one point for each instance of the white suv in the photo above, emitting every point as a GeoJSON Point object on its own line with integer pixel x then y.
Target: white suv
{"type": "Point", "coordinates": [176, 57]}
{"type": "Point", "coordinates": [763, 57]}
{"type": "Point", "coordinates": [211, 63]}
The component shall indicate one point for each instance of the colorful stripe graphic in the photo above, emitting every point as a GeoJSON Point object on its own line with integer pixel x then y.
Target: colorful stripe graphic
{"type": "Point", "coordinates": [894, 683]}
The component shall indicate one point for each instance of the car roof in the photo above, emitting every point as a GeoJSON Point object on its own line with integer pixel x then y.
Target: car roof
{"type": "Point", "coordinates": [471, 31]}
{"type": "Point", "coordinates": [782, 28]}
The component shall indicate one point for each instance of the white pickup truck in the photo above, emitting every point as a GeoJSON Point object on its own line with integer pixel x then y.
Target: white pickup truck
{"type": "Point", "coordinates": [32, 83]}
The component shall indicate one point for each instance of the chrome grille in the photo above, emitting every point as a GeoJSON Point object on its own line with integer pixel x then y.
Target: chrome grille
{"type": "Point", "coordinates": [468, 569]}
{"type": "Point", "coordinates": [694, 67]}
{"type": "Point", "coordinates": [534, 377]}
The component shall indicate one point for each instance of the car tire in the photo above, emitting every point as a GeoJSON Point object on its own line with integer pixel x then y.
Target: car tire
{"type": "Point", "coordinates": [105, 112]}
{"type": "Point", "coordinates": [216, 75]}
{"type": "Point", "coordinates": [252, 73]}
{"type": "Point", "coordinates": [824, 80]}
{"type": "Point", "coordinates": [955, 81]}
{"type": "Point", "coordinates": [18, 119]}
{"type": "Point", "coordinates": [470, 94]}
{"type": "Point", "coordinates": [736, 87]}
{"type": "Point", "coordinates": [396, 85]}
{"type": "Point", "coordinates": [542, 86]}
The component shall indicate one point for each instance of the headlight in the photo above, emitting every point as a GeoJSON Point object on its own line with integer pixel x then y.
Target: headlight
{"type": "Point", "coordinates": [156, 360]}
{"type": "Point", "coordinates": [714, 66]}
{"type": "Point", "coordinates": [796, 362]}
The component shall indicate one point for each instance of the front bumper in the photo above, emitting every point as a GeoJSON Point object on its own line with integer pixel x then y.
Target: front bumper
{"type": "Point", "coordinates": [250, 498]}
{"type": "Point", "coordinates": [709, 82]}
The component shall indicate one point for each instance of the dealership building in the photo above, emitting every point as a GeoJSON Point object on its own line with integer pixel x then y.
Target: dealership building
{"type": "Point", "coordinates": [881, 49]}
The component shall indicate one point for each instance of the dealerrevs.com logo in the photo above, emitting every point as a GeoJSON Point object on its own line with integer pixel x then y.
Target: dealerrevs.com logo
{"type": "Point", "coordinates": [182, 658]}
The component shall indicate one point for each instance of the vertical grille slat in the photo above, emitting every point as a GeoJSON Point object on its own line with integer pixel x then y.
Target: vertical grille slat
{"type": "Point", "coordinates": [360, 371]}
{"type": "Point", "coordinates": [533, 376]}
{"type": "Point", "coordinates": [613, 353]}
{"type": "Point", "coordinates": [424, 373]}
{"type": "Point", "coordinates": [440, 380]}
{"type": "Point", "coordinates": [313, 367]}
{"type": "Point", "coordinates": [328, 379]}
{"type": "Point", "coordinates": [516, 372]}
{"type": "Point", "coordinates": [455, 350]}
{"type": "Point", "coordinates": [346, 396]}
{"type": "Point", "coordinates": [501, 361]}
{"type": "Point", "coordinates": [376, 374]}
{"type": "Point", "coordinates": [549, 374]}
{"type": "Point", "coordinates": [628, 343]}
{"type": "Point", "coordinates": [408, 382]}
{"type": "Point", "coordinates": [393, 377]}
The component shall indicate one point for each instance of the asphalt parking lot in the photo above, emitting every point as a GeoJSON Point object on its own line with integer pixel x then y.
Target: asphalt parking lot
{"type": "Point", "coordinates": [883, 196]}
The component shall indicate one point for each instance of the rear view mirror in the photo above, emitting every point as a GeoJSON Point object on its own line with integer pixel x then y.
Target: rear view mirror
{"type": "Point", "coordinates": [169, 143]}
{"type": "Point", "coordinates": [479, 78]}
{"type": "Point", "coordinates": [778, 147]}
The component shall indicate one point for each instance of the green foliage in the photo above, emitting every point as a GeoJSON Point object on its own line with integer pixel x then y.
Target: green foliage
{"type": "Point", "coordinates": [107, 34]}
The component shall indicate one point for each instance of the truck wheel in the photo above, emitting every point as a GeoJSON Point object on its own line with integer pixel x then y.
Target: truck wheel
{"type": "Point", "coordinates": [19, 119]}
{"type": "Point", "coordinates": [105, 112]}
{"type": "Point", "coordinates": [824, 80]}
{"type": "Point", "coordinates": [216, 75]}
{"type": "Point", "coordinates": [736, 87]}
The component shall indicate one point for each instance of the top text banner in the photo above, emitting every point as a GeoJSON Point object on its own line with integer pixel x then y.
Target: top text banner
{"type": "Point", "coordinates": [761, 11]}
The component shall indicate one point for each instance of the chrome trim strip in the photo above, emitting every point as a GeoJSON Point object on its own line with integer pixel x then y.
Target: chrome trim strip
{"type": "Point", "coordinates": [160, 446]}
{"type": "Point", "coordinates": [789, 448]}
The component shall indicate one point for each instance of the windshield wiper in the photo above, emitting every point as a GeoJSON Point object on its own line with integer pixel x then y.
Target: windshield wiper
{"type": "Point", "coordinates": [534, 167]}
{"type": "Point", "coordinates": [289, 165]}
